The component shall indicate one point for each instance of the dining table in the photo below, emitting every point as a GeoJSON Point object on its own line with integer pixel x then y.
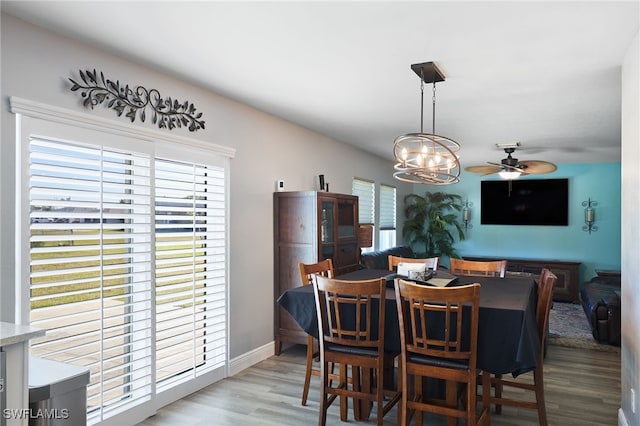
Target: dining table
{"type": "Point", "coordinates": [507, 341]}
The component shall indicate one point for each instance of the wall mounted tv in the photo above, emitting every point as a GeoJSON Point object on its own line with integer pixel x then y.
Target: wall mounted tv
{"type": "Point", "coordinates": [525, 202]}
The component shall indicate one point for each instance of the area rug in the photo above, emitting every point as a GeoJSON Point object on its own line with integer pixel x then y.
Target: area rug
{"type": "Point", "coordinates": [568, 326]}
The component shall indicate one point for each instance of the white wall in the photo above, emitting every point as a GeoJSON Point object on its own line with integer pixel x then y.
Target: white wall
{"type": "Point", "coordinates": [630, 235]}
{"type": "Point", "coordinates": [36, 65]}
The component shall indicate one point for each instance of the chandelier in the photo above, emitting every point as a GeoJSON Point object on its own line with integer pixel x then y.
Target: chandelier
{"type": "Point", "coordinates": [426, 157]}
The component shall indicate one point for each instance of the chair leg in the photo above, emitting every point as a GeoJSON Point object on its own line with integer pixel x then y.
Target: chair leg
{"type": "Point", "coordinates": [498, 392]}
{"type": "Point", "coordinates": [403, 385]}
{"type": "Point", "coordinates": [417, 383]}
{"type": "Point", "coordinates": [400, 388]}
{"type": "Point", "coordinates": [486, 397]}
{"type": "Point", "coordinates": [538, 380]}
{"type": "Point", "coordinates": [324, 403]}
{"type": "Point", "coordinates": [471, 401]}
{"type": "Point", "coordinates": [451, 395]}
{"type": "Point", "coordinates": [380, 393]}
{"type": "Point", "coordinates": [344, 401]}
{"type": "Point", "coordinates": [307, 374]}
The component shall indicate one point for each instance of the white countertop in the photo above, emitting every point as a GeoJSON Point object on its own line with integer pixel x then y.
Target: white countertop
{"type": "Point", "coordinates": [16, 333]}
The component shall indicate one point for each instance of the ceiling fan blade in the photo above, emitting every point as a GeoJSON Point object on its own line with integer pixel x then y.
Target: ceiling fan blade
{"type": "Point", "coordinates": [486, 170]}
{"type": "Point", "coordinates": [538, 167]}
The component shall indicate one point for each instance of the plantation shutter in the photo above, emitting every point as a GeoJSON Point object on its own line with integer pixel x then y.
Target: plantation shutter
{"type": "Point", "coordinates": [128, 268]}
{"type": "Point", "coordinates": [365, 191]}
{"type": "Point", "coordinates": [190, 270]}
{"type": "Point", "coordinates": [122, 256]}
{"type": "Point", "coordinates": [91, 270]}
{"type": "Point", "coordinates": [387, 207]}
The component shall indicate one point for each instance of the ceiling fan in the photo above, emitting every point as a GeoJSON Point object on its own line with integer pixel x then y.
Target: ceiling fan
{"type": "Point", "coordinates": [512, 168]}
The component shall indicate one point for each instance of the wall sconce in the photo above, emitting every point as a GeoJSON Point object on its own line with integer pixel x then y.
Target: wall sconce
{"type": "Point", "coordinates": [589, 215]}
{"type": "Point", "coordinates": [466, 215]}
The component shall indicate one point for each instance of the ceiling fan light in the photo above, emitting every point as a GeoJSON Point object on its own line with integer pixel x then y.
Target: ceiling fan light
{"type": "Point", "coordinates": [509, 174]}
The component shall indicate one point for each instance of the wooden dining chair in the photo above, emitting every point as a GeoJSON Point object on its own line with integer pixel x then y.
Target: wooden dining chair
{"type": "Point", "coordinates": [324, 268]}
{"type": "Point", "coordinates": [498, 382]}
{"type": "Point", "coordinates": [544, 274]}
{"type": "Point", "coordinates": [438, 335]}
{"type": "Point", "coordinates": [430, 262]}
{"type": "Point", "coordinates": [473, 268]}
{"type": "Point", "coordinates": [351, 318]}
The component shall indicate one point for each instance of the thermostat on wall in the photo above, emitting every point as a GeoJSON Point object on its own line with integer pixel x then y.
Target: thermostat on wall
{"type": "Point", "coordinates": [280, 185]}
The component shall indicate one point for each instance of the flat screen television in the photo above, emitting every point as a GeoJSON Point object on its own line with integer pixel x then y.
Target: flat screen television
{"type": "Point", "coordinates": [525, 202]}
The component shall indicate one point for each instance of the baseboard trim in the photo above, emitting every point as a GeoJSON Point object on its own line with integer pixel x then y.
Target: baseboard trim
{"type": "Point", "coordinates": [250, 358]}
{"type": "Point", "coordinates": [622, 420]}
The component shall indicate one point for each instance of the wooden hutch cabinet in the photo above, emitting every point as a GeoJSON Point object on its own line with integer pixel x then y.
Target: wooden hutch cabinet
{"type": "Point", "coordinates": [310, 226]}
{"type": "Point", "coordinates": [566, 287]}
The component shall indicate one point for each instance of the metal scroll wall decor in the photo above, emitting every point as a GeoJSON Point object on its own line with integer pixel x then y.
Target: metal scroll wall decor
{"type": "Point", "coordinates": [166, 112]}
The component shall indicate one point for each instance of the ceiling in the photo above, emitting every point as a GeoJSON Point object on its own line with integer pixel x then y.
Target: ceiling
{"type": "Point", "coordinates": [545, 74]}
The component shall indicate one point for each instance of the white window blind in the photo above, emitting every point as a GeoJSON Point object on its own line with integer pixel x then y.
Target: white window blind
{"type": "Point", "coordinates": [365, 191]}
{"type": "Point", "coordinates": [387, 217]}
{"type": "Point", "coordinates": [190, 270]}
{"type": "Point", "coordinates": [91, 270]}
{"type": "Point", "coordinates": [387, 207]}
{"type": "Point", "coordinates": [114, 232]}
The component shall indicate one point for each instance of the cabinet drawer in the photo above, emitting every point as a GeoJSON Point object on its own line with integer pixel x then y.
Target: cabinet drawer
{"type": "Point", "coordinates": [347, 255]}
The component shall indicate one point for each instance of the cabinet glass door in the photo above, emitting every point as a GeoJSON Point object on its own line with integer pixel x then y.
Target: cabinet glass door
{"type": "Point", "coordinates": [326, 221]}
{"type": "Point", "coordinates": [346, 219]}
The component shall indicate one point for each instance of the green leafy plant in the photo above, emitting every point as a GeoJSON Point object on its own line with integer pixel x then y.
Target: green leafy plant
{"type": "Point", "coordinates": [433, 222]}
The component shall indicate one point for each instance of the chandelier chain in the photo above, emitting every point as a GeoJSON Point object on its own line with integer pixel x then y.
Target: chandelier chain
{"type": "Point", "coordinates": [433, 117]}
{"type": "Point", "coordinates": [421, 100]}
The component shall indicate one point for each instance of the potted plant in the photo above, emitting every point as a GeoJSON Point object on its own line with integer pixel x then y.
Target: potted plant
{"type": "Point", "coordinates": [432, 222]}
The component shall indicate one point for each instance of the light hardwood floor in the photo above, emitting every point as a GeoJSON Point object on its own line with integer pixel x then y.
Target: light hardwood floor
{"type": "Point", "coordinates": [582, 387]}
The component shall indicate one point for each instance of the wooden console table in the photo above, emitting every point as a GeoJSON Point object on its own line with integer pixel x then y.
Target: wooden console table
{"type": "Point", "coordinates": [568, 284]}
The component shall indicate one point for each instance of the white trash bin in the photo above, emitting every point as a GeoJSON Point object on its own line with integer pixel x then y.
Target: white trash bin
{"type": "Point", "coordinates": [57, 393]}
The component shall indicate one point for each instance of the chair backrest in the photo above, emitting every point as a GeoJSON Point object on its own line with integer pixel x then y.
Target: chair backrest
{"type": "Point", "coordinates": [350, 313]}
{"type": "Point", "coordinates": [473, 268]}
{"type": "Point", "coordinates": [324, 268]}
{"type": "Point", "coordinates": [543, 306]}
{"type": "Point", "coordinates": [431, 262]}
{"type": "Point", "coordinates": [445, 310]}
{"type": "Point", "coordinates": [543, 275]}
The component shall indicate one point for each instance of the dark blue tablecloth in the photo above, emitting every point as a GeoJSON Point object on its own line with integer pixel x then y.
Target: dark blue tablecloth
{"type": "Point", "coordinates": [507, 332]}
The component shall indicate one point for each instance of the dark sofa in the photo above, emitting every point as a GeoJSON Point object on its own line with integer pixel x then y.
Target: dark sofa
{"type": "Point", "coordinates": [600, 299]}
{"type": "Point", "coordinates": [380, 259]}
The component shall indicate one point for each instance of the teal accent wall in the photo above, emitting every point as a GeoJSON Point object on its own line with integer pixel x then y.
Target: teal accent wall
{"type": "Point", "coordinates": [598, 250]}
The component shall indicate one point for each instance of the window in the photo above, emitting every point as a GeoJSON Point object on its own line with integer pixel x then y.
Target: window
{"type": "Point", "coordinates": [365, 190]}
{"type": "Point", "coordinates": [127, 249]}
{"type": "Point", "coordinates": [387, 217]}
